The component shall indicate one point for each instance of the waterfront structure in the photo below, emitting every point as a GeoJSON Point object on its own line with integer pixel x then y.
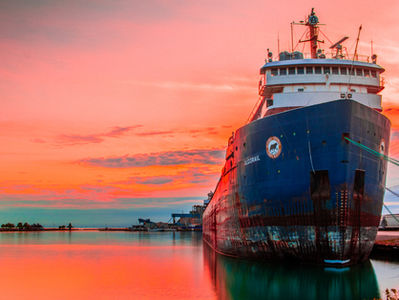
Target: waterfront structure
{"type": "Point", "coordinates": [191, 220]}
{"type": "Point", "coordinates": [295, 185]}
{"type": "Point", "coordinates": [390, 221]}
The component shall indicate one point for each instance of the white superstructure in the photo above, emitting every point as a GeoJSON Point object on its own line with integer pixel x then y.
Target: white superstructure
{"type": "Point", "coordinates": [293, 81]}
{"type": "Point", "coordinates": [303, 82]}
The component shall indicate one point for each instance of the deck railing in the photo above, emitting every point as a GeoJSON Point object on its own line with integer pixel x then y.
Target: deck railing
{"type": "Point", "coordinates": [333, 55]}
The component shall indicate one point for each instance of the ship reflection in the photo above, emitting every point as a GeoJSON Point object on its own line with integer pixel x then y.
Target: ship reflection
{"type": "Point", "coordinates": [240, 279]}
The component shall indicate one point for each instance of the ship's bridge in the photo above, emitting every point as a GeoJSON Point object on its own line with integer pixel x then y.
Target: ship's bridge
{"type": "Point", "coordinates": [292, 83]}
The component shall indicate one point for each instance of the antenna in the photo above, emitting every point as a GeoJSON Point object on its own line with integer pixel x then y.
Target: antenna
{"type": "Point", "coordinates": [372, 50]}
{"type": "Point", "coordinates": [312, 23]}
{"type": "Point", "coordinates": [353, 61]}
{"type": "Point", "coordinates": [292, 36]}
{"type": "Point", "coordinates": [357, 43]}
{"type": "Point", "coordinates": [339, 42]}
{"type": "Point", "coordinates": [278, 43]}
{"type": "Point", "coordinates": [338, 46]}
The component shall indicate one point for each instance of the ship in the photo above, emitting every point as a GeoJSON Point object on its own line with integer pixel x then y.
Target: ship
{"type": "Point", "coordinates": [295, 184]}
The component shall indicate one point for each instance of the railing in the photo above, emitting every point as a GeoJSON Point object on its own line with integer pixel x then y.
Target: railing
{"type": "Point", "coordinates": [333, 55]}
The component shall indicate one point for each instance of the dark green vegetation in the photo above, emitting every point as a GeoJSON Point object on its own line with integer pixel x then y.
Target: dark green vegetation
{"type": "Point", "coordinates": [31, 227]}
{"type": "Point", "coordinates": [21, 227]}
{"type": "Point", "coordinates": [63, 227]}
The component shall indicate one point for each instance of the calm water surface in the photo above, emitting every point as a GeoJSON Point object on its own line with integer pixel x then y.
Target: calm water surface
{"type": "Point", "coordinates": [167, 265]}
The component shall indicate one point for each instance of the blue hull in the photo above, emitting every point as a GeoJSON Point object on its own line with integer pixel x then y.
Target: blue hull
{"type": "Point", "coordinates": [318, 198]}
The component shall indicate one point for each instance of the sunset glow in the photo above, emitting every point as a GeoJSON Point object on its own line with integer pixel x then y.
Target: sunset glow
{"type": "Point", "coordinates": [129, 104]}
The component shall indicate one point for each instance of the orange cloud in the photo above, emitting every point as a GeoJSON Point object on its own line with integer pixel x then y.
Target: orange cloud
{"type": "Point", "coordinates": [167, 158]}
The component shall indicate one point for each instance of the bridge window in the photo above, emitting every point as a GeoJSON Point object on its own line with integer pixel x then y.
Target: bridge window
{"type": "Point", "coordinates": [323, 70]}
{"type": "Point", "coordinates": [327, 70]}
{"type": "Point", "coordinates": [335, 70]}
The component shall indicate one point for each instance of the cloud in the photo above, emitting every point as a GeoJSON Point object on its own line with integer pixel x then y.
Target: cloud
{"type": "Point", "coordinates": [118, 131]}
{"type": "Point", "coordinates": [195, 176]}
{"type": "Point", "coordinates": [74, 199]}
{"type": "Point", "coordinates": [152, 133]}
{"type": "Point", "coordinates": [158, 180]}
{"type": "Point", "coordinates": [198, 175]}
{"type": "Point", "coordinates": [201, 131]}
{"type": "Point", "coordinates": [167, 158]}
{"type": "Point", "coordinates": [77, 139]}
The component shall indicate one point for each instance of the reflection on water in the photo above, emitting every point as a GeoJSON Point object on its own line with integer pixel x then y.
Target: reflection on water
{"type": "Point", "coordinates": [101, 237]}
{"type": "Point", "coordinates": [166, 265]}
{"type": "Point", "coordinates": [241, 279]}
{"type": "Point", "coordinates": [103, 265]}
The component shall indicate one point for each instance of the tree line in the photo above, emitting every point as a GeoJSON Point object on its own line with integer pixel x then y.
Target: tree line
{"type": "Point", "coordinates": [29, 227]}
{"type": "Point", "coordinates": [20, 226]}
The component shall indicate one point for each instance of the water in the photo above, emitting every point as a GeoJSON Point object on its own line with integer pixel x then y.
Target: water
{"type": "Point", "coordinates": [167, 265]}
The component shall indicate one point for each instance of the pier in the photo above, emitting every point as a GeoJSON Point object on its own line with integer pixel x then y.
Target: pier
{"type": "Point", "coordinates": [386, 245]}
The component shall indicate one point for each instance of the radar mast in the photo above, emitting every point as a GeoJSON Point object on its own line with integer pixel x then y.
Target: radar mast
{"type": "Point", "coordinates": [312, 23]}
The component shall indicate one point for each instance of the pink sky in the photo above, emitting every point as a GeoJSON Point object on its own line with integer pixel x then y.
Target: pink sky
{"type": "Point", "coordinates": [110, 100]}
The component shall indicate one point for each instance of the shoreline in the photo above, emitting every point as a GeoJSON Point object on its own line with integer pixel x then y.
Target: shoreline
{"type": "Point", "coordinates": [99, 229]}
{"type": "Point", "coordinates": [386, 245]}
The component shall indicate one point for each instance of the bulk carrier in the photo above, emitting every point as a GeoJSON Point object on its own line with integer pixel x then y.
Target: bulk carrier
{"type": "Point", "coordinates": [295, 184]}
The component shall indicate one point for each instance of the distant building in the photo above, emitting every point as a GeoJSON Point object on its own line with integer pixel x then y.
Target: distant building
{"type": "Point", "coordinates": [390, 222]}
{"type": "Point", "coordinates": [193, 219]}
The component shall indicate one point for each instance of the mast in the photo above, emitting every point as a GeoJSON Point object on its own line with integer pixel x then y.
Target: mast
{"type": "Point", "coordinates": [312, 22]}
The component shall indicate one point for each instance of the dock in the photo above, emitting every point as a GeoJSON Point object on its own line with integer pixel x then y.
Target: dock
{"type": "Point", "coordinates": [386, 245]}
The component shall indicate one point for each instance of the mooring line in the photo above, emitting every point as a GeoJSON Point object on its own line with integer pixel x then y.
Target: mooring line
{"type": "Point", "coordinates": [376, 153]}
{"type": "Point", "coordinates": [387, 158]}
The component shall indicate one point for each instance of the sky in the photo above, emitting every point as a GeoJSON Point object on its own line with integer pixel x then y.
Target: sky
{"type": "Point", "coordinates": [114, 110]}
